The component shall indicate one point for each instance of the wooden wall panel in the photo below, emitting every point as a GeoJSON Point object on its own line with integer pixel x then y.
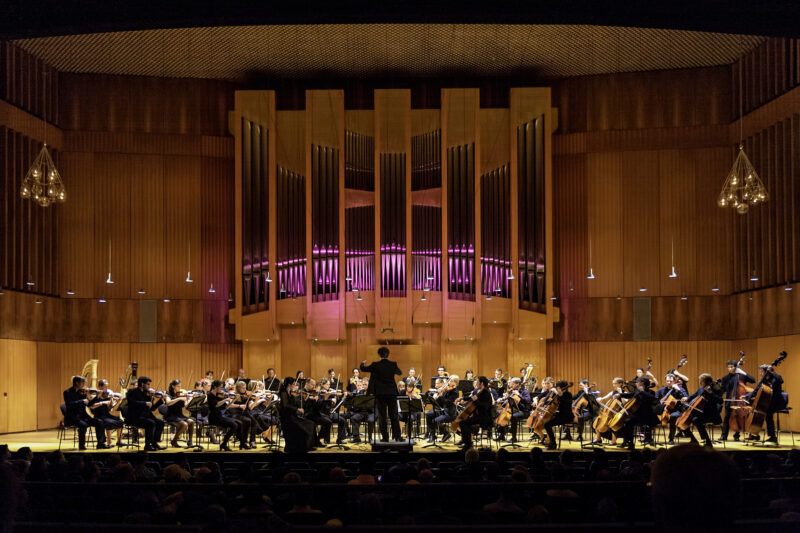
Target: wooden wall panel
{"type": "Point", "coordinates": [221, 357]}
{"type": "Point", "coordinates": [573, 235]}
{"type": "Point", "coordinates": [325, 355]}
{"type": "Point", "coordinates": [458, 356]}
{"type": "Point", "coordinates": [152, 362]}
{"type": "Point", "coordinates": [676, 175]}
{"type": "Point", "coordinates": [605, 222]}
{"type": "Point", "coordinates": [182, 363]}
{"type": "Point", "coordinates": [640, 219]}
{"type": "Point", "coordinates": [295, 351]}
{"type": "Point", "coordinates": [492, 350]}
{"type": "Point", "coordinates": [19, 386]}
{"type": "Point", "coordinates": [147, 243]}
{"type": "Point", "coordinates": [570, 361]}
{"type": "Point", "coordinates": [258, 356]}
{"type": "Point", "coordinates": [182, 226]}
{"type": "Point", "coordinates": [607, 361]}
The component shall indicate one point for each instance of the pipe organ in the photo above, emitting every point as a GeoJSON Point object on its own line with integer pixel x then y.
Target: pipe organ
{"type": "Point", "coordinates": [429, 207]}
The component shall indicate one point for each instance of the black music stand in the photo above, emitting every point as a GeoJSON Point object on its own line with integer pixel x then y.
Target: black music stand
{"type": "Point", "coordinates": [367, 403]}
{"type": "Point", "coordinates": [409, 406]}
{"type": "Point", "coordinates": [465, 386]}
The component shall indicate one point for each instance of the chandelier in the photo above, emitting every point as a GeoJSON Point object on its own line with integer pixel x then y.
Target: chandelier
{"type": "Point", "coordinates": [42, 183]}
{"type": "Point", "coordinates": [742, 187]}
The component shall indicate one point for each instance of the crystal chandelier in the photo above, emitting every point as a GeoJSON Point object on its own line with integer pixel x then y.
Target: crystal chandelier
{"type": "Point", "coordinates": [42, 183]}
{"type": "Point", "coordinates": [742, 187]}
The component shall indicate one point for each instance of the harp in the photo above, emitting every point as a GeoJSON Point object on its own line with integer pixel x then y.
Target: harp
{"type": "Point", "coordinates": [90, 372]}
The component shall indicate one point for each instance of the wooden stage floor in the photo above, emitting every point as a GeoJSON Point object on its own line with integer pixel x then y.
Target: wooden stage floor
{"type": "Point", "coordinates": [47, 440]}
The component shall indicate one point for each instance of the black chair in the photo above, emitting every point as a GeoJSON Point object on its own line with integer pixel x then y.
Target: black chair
{"type": "Point", "coordinates": [63, 427]}
{"type": "Point", "coordinates": [785, 411]}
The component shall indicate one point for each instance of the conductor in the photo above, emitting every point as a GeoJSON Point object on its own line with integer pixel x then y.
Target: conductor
{"type": "Point", "coordinates": [382, 385]}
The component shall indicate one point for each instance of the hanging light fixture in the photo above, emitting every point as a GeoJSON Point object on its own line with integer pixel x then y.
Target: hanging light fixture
{"type": "Point", "coordinates": [591, 270]}
{"type": "Point", "coordinates": [189, 263]}
{"type": "Point", "coordinates": [211, 289]}
{"type": "Point", "coordinates": [673, 274]}
{"type": "Point", "coordinates": [742, 187]}
{"type": "Point", "coordinates": [42, 183]}
{"type": "Point", "coordinates": [108, 279]}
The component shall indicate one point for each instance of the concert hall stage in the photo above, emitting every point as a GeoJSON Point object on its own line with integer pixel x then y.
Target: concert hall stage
{"type": "Point", "coordinates": [47, 440]}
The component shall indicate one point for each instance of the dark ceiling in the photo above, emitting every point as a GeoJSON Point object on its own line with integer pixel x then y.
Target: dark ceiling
{"type": "Point", "coordinates": [37, 18]}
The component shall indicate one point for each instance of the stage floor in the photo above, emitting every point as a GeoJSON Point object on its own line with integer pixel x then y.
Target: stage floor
{"type": "Point", "coordinates": [47, 440]}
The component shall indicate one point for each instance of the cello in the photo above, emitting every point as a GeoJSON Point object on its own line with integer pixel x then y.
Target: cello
{"type": "Point", "coordinates": [762, 398]}
{"type": "Point", "coordinates": [625, 413]}
{"type": "Point", "coordinates": [669, 402]}
{"type": "Point", "coordinates": [581, 403]}
{"type": "Point", "coordinates": [511, 401]}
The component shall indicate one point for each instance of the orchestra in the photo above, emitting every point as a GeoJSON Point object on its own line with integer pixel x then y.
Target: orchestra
{"type": "Point", "coordinates": [300, 413]}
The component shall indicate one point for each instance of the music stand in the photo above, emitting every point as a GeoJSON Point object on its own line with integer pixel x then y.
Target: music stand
{"type": "Point", "coordinates": [367, 403]}
{"type": "Point", "coordinates": [409, 406]}
{"type": "Point", "coordinates": [465, 386]}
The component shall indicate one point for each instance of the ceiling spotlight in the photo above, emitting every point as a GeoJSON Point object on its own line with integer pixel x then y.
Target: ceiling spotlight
{"type": "Point", "coordinates": [211, 289]}
{"type": "Point", "coordinates": [423, 299]}
{"type": "Point", "coordinates": [510, 276]}
{"type": "Point", "coordinates": [189, 278]}
{"type": "Point", "coordinates": [109, 280]}
{"type": "Point", "coordinates": [488, 297]}
{"type": "Point", "coordinates": [430, 278]}
{"type": "Point", "coordinates": [553, 298]}
{"type": "Point", "coordinates": [754, 277]}
{"type": "Point", "coordinates": [37, 301]}
{"type": "Point", "coordinates": [714, 289]}
{"type": "Point", "coordinates": [30, 283]}
{"type": "Point", "coordinates": [70, 292]}
{"type": "Point", "coordinates": [684, 297]}
{"type": "Point", "coordinates": [497, 290]}
{"type": "Point", "coordinates": [359, 298]}
{"type": "Point", "coordinates": [619, 297]}
{"type": "Point", "coordinates": [102, 300]}
{"type": "Point", "coordinates": [355, 289]}
{"type": "Point", "coordinates": [788, 287]}
{"type": "Point", "coordinates": [348, 278]}
{"type": "Point", "coordinates": [166, 300]}
{"type": "Point", "coordinates": [141, 291]}
{"type": "Point", "coordinates": [268, 279]}
{"type": "Point", "coordinates": [643, 289]}
{"type": "Point", "coordinates": [591, 274]}
{"type": "Point", "coordinates": [673, 274]}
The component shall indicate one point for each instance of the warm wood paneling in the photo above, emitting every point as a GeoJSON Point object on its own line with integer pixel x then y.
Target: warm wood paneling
{"type": "Point", "coordinates": [605, 222]}
{"type": "Point", "coordinates": [18, 386]}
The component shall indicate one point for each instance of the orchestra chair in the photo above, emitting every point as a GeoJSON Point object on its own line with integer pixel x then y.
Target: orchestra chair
{"type": "Point", "coordinates": [63, 427]}
{"type": "Point", "coordinates": [660, 435]}
{"type": "Point", "coordinates": [710, 430]}
{"type": "Point", "coordinates": [572, 427]}
{"type": "Point", "coordinates": [785, 411]}
{"type": "Point", "coordinates": [485, 435]}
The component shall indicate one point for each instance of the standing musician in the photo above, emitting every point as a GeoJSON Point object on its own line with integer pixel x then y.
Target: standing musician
{"type": "Point", "coordinates": [218, 400]}
{"type": "Point", "coordinates": [482, 414]}
{"type": "Point", "coordinates": [519, 399]}
{"type": "Point", "coordinates": [644, 414]}
{"type": "Point", "coordinates": [775, 382]}
{"type": "Point", "coordinates": [617, 388]}
{"type": "Point", "coordinates": [564, 413]}
{"type": "Point", "coordinates": [444, 407]}
{"type": "Point", "coordinates": [642, 373]}
{"type": "Point", "coordinates": [710, 413]}
{"type": "Point", "coordinates": [361, 414]}
{"type": "Point", "coordinates": [497, 382]}
{"type": "Point", "coordinates": [298, 432]}
{"type": "Point", "coordinates": [312, 403]}
{"type": "Point", "coordinates": [140, 403]}
{"type": "Point", "coordinates": [673, 388]}
{"type": "Point", "coordinates": [102, 405]}
{"type": "Point", "coordinates": [332, 381]}
{"type": "Point", "coordinates": [588, 409]}
{"type": "Point", "coordinates": [729, 385]}
{"type": "Point", "coordinates": [381, 384]}
{"type": "Point", "coordinates": [176, 402]}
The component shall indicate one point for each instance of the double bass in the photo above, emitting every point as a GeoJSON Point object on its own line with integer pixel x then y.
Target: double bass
{"type": "Point", "coordinates": [762, 398]}
{"type": "Point", "coordinates": [669, 402]}
{"type": "Point", "coordinates": [740, 410]}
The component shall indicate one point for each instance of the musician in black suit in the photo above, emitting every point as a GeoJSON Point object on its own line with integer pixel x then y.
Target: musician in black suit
{"type": "Point", "coordinates": [139, 404]}
{"type": "Point", "coordinates": [775, 382]}
{"type": "Point", "coordinates": [709, 413]}
{"type": "Point", "coordinates": [383, 386]}
{"type": "Point", "coordinates": [75, 401]}
{"type": "Point", "coordinates": [481, 416]}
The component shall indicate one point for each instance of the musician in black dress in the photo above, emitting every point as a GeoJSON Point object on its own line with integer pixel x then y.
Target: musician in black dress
{"type": "Point", "coordinates": [564, 413]}
{"type": "Point", "coordinates": [140, 403]}
{"type": "Point", "coordinates": [175, 416]}
{"type": "Point", "coordinates": [382, 385]}
{"type": "Point", "coordinates": [313, 405]}
{"type": "Point", "coordinates": [481, 416]}
{"type": "Point", "coordinates": [729, 384]}
{"type": "Point", "coordinates": [101, 406]}
{"type": "Point", "coordinates": [262, 412]}
{"type": "Point", "coordinates": [673, 388]}
{"type": "Point", "coordinates": [710, 412]}
{"type": "Point", "coordinates": [589, 411]}
{"type": "Point", "coordinates": [775, 382]}
{"type": "Point", "coordinates": [75, 401]}
{"type": "Point", "coordinates": [644, 415]}
{"type": "Point", "coordinates": [218, 400]}
{"type": "Point", "coordinates": [298, 432]}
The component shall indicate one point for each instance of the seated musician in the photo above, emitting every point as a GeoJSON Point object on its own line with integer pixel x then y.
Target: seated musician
{"type": "Point", "coordinates": [644, 414]}
{"type": "Point", "coordinates": [199, 411]}
{"type": "Point", "coordinates": [218, 400]}
{"type": "Point", "coordinates": [520, 400]}
{"type": "Point", "coordinates": [361, 414]}
{"type": "Point", "coordinates": [498, 383]}
{"type": "Point", "coordinates": [728, 384]}
{"type": "Point", "coordinates": [673, 388]}
{"type": "Point", "coordinates": [547, 385]}
{"type": "Point", "coordinates": [352, 385]}
{"type": "Point", "coordinates": [230, 385]}
{"type": "Point", "coordinates": [101, 406]}
{"type": "Point", "coordinates": [298, 432]}
{"type": "Point", "coordinates": [75, 402]}
{"type": "Point", "coordinates": [482, 414]}
{"type": "Point", "coordinates": [410, 419]}
{"type": "Point", "coordinates": [588, 409]}
{"type": "Point", "coordinates": [210, 375]}
{"type": "Point", "coordinates": [258, 407]}
{"type": "Point", "coordinates": [710, 413]}
{"type": "Point", "coordinates": [241, 377]}
{"type": "Point", "coordinates": [563, 415]}
{"type": "Point", "coordinates": [334, 383]}
{"type": "Point", "coordinates": [617, 388]}
{"type": "Point", "coordinates": [140, 403]}
{"type": "Point", "coordinates": [271, 381]}
{"type": "Point", "coordinates": [412, 375]}
{"type": "Point", "coordinates": [328, 398]}
{"type": "Point", "coordinates": [775, 382]}
{"type": "Point", "coordinates": [238, 409]}
{"type": "Point", "coordinates": [313, 408]}
{"type": "Point", "coordinates": [469, 374]}
{"type": "Point", "coordinates": [175, 403]}
{"type": "Point", "coordinates": [441, 372]}
{"type": "Point", "coordinates": [444, 407]}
